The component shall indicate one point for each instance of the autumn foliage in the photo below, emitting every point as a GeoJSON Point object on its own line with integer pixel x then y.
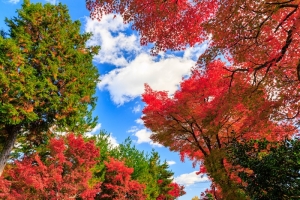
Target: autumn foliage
{"type": "Point", "coordinates": [206, 113]}
{"type": "Point", "coordinates": [118, 184]}
{"type": "Point", "coordinates": [254, 94]}
{"type": "Point", "coordinates": [61, 171]}
{"type": "Point", "coordinates": [66, 168]}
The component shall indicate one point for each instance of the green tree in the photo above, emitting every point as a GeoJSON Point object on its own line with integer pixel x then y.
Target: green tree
{"type": "Point", "coordinates": [147, 169]}
{"type": "Point", "coordinates": [195, 198]}
{"type": "Point", "coordinates": [271, 170]}
{"type": "Point", "coordinates": [47, 76]}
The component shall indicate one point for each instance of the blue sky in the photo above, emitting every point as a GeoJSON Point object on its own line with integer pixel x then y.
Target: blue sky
{"type": "Point", "coordinates": [125, 67]}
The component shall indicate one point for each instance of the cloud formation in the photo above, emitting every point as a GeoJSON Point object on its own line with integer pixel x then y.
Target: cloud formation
{"type": "Point", "coordinates": [54, 2]}
{"type": "Point", "coordinates": [127, 83]}
{"type": "Point", "coordinates": [95, 130]}
{"type": "Point", "coordinates": [139, 121]}
{"type": "Point", "coordinates": [143, 136]}
{"type": "Point", "coordinates": [137, 108]}
{"type": "Point", "coordinates": [113, 141]}
{"type": "Point", "coordinates": [13, 1]}
{"type": "Point", "coordinates": [190, 179]}
{"type": "Point", "coordinates": [171, 162]}
{"type": "Point", "coordinates": [116, 46]}
{"type": "Point", "coordinates": [134, 65]}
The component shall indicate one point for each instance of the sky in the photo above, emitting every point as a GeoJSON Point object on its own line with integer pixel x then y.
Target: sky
{"type": "Point", "coordinates": [125, 66]}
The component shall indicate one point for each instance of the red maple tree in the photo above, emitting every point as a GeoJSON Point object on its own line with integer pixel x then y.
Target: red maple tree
{"type": "Point", "coordinates": [168, 24]}
{"type": "Point", "coordinates": [262, 33]}
{"type": "Point", "coordinates": [258, 37]}
{"type": "Point", "coordinates": [177, 190]}
{"type": "Point", "coordinates": [118, 184]}
{"type": "Point", "coordinates": [206, 113]}
{"type": "Point", "coordinates": [61, 171]}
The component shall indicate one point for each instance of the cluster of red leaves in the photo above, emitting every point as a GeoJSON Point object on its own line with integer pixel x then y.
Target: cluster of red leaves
{"type": "Point", "coordinates": [207, 113]}
{"type": "Point", "coordinates": [174, 192]}
{"type": "Point", "coordinates": [201, 115]}
{"type": "Point", "coordinates": [257, 35]}
{"type": "Point", "coordinates": [62, 173]}
{"type": "Point", "coordinates": [168, 24]}
{"type": "Point", "coordinates": [118, 184]}
{"type": "Point", "coordinates": [212, 193]}
{"type": "Point", "coordinates": [256, 97]}
{"type": "Point", "coordinates": [63, 170]}
{"type": "Point", "coordinates": [177, 190]}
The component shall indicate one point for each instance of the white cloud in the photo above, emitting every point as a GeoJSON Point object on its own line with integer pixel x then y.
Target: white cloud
{"type": "Point", "coordinates": [13, 1]}
{"type": "Point", "coordinates": [137, 108]}
{"type": "Point", "coordinates": [95, 130]}
{"type": "Point", "coordinates": [135, 66]}
{"type": "Point", "coordinates": [171, 162]}
{"type": "Point", "coordinates": [190, 179]}
{"type": "Point", "coordinates": [109, 34]}
{"type": "Point", "coordinates": [143, 136]}
{"type": "Point", "coordinates": [113, 141]}
{"type": "Point", "coordinates": [54, 2]}
{"type": "Point", "coordinates": [133, 129]}
{"type": "Point", "coordinates": [139, 121]}
{"type": "Point", "coordinates": [124, 84]}
{"type": "Point", "coordinates": [194, 52]}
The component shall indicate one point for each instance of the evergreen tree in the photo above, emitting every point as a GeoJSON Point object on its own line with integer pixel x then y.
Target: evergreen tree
{"type": "Point", "coordinates": [47, 76]}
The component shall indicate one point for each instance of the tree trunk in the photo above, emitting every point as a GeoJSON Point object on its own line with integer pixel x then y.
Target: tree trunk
{"type": "Point", "coordinates": [12, 132]}
{"type": "Point", "coordinates": [214, 164]}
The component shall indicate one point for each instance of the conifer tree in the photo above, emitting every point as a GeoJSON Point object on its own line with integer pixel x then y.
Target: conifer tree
{"type": "Point", "coordinates": [47, 76]}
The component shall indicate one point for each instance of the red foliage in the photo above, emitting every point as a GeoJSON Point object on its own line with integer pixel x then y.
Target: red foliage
{"type": "Point", "coordinates": [168, 24]}
{"type": "Point", "coordinates": [259, 34]}
{"type": "Point", "coordinates": [203, 113]}
{"type": "Point", "coordinates": [177, 190]}
{"type": "Point", "coordinates": [62, 173]}
{"type": "Point", "coordinates": [118, 184]}
{"type": "Point", "coordinates": [259, 38]}
{"type": "Point", "coordinates": [207, 112]}
{"type": "Point", "coordinates": [212, 193]}
{"type": "Point", "coordinates": [174, 192]}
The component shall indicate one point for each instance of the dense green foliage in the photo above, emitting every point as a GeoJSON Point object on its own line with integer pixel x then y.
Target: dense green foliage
{"type": "Point", "coordinates": [147, 169]}
{"type": "Point", "coordinates": [271, 170]}
{"type": "Point", "coordinates": [47, 76]}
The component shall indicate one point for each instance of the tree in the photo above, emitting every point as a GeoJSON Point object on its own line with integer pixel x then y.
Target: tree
{"type": "Point", "coordinates": [147, 169]}
{"type": "Point", "coordinates": [195, 198]}
{"type": "Point", "coordinates": [261, 33]}
{"type": "Point", "coordinates": [200, 119]}
{"type": "Point", "coordinates": [269, 170]}
{"type": "Point", "coordinates": [258, 38]}
{"type": "Point", "coordinates": [47, 76]}
{"type": "Point", "coordinates": [61, 171]}
{"type": "Point", "coordinates": [177, 190]}
{"type": "Point", "coordinates": [118, 184]}
{"type": "Point", "coordinates": [168, 24]}
{"type": "Point", "coordinates": [259, 98]}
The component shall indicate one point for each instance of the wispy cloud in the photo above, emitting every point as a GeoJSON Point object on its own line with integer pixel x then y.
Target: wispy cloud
{"type": "Point", "coordinates": [95, 130]}
{"type": "Point", "coordinates": [13, 1]}
{"type": "Point", "coordinates": [54, 2]}
{"type": "Point", "coordinates": [113, 141]}
{"type": "Point", "coordinates": [139, 121]}
{"type": "Point", "coordinates": [171, 162]}
{"type": "Point", "coordinates": [137, 108]}
{"type": "Point", "coordinates": [190, 179]}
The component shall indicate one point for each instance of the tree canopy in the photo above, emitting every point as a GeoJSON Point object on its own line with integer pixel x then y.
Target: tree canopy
{"type": "Point", "coordinates": [253, 93]}
{"type": "Point", "coordinates": [47, 76]}
{"type": "Point", "coordinates": [271, 170]}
